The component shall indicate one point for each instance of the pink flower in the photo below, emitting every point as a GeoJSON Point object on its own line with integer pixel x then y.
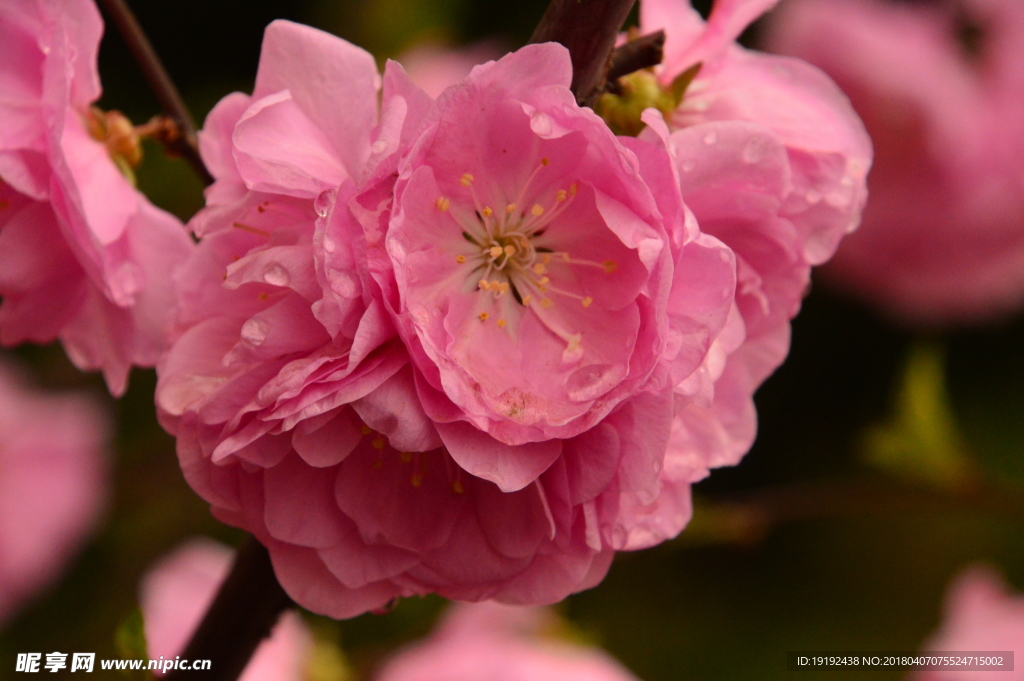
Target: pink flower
{"type": "Point", "coordinates": [320, 400]}
{"type": "Point", "coordinates": [435, 67]}
{"type": "Point", "coordinates": [981, 614]}
{"type": "Point", "coordinates": [491, 641]}
{"type": "Point", "coordinates": [943, 235]}
{"type": "Point", "coordinates": [772, 160]}
{"type": "Point", "coordinates": [52, 485]}
{"type": "Point", "coordinates": [175, 595]}
{"type": "Point", "coordinates": [84, 257]}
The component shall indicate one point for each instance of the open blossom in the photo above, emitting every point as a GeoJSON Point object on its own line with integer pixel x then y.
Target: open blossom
{"type": "Point", "coordinates": [940, 87]}
{"type": "Point", "coordinates": [491, 641]}
{"type": "Point", "coordinates": [980, 614]}
{"type": "Point", "coordinates": [175, 594]}
{"type": "Point", "coordinates": [84, 257]}
{"type": "Point", "coordinates": [52, 485]}
{"type": "Point", "coordinates": [772, 160]}
{"type": "Point", "coordinates": [436, 353]}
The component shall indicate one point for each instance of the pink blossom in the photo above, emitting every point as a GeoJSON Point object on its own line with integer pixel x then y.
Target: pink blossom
{"type": "Point", "coordinates": [84, 257]}
{"type": "Point", "coordinates": [499, 643]}
{"type": "Point", "coordinates": [320, 400]}
{"type": "Point", "coordinates": [435, 67]}
{"type": "Point", "coordinates": [981, 614]}
{"type": "Point", "coordinates": [772, 160]}
{"type": "Point", "coordinates": [175, 595]}
{"type": "Point", "coordinates": [943, 235]}
{"type": "Point", "coordinates": [52, 485]}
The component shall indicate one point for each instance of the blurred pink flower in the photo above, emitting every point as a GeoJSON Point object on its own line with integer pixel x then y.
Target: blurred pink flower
{"type": "Point", "coordinates": [435, 67]}
{"type": "Point", "coordinates": [980, 615]}
{"type": "Point", "coordinates": [316, 400]}
{"type": "Point", "coordinates": [176, 593]}
{"type": "Point", "coordinates": [772, 160]}
{"type": "Point", "coordinates": [52, 485]}
{"type": "Point", "coordinates": [943, 235]}
{"type": "Point", "coordinates": [84, 257]}
{"type": "Point", "coordinates": [499, 643]}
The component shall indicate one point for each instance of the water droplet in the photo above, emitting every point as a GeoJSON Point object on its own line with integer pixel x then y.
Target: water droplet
{"type": "Point", "coordinates": [689, 165]}
{"type": "Point", "coordinates": [592, 381]}
{"type": "Point", "coordinates": [324, 202]}
{"type": "Point", "coordinates": [276, 275]}
{"type": "Point", "coordinates": [254, 331]}
{"type": "Point", "coordinates": [541, 123]}
{"type": "Point", "coordinates": [379, 146]}
{"type": "Point", "coordinates": [753, 152]}
{"type": "Point", "coordinates": [329, 245]}
{"type": "Point", "coordinates": [711, 137]}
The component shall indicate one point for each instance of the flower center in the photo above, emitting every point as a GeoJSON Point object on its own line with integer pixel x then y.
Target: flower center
{"type": "Point", "coordinates": [510, 255]}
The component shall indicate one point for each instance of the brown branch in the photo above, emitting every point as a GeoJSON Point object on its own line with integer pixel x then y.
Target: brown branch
{"type": "Point", "coordinates": [246, 608]}
{"type": "Point", "coordinates": [588, 28]}
{"type": "Point", "coordinates": [186, 143]}
{"type": "Point", "coordinates": [642, 53]}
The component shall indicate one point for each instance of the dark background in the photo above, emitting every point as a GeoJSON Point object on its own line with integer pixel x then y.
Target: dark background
{"type": "Point", "coordinates": [857, 558]}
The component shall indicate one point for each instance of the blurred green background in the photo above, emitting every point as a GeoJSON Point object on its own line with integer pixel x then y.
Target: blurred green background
{"type": "Point", "coordinates": [885, 462]}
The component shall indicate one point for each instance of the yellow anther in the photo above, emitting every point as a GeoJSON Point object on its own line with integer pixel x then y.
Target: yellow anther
{"type": "Point", "coordinates": [263, 295]}
{"type": "Point", "coordinates": [484, 316]}
{"type": "Point", "coordinates": [609, 266]}
{"type": "Point", "coordinates": [416, 479]}
{"type": "Point", "coordinates": [466, 180]}
{"type": "Point", "coordinates": [574, 342]}
{"type": "Point", "coordinates": [565, 257]}
{"type": "Point", "coordinates": [443, 203]}
{"type": "Point", "coordinates": [366, 430]}
{"type": "Point", "coordinates": [537, 210]}
{"type": "Point", "coordinates": [560, 195]}
{"type": "Point", "coordinates": [539, 268]}
{"type": "Point", "coordinates": [406, 457]}
{"type": "Point", "coordinates": [510, 250]}
{"type": "Point", "coordinates": [460, 259]}
{"type": "Point", "coordinates": [546, 303]}
{"type": "Point", "coordinates": [545, 161]}
{"type": "Point", "coordinates": [546, 258]}
{"type": "Point", "coordinates": [510, 208]}
{"type": "Point", "coordinates": [587, 302]}
{"type": "Point", "coordinates": [458, 488]}
{"type": "Point", "coordinates": [544, 280]}
{"type": "Point", "coordinates": [378, 463]}
{"type": "Point", "coordinates": [487, 212]}
{"type": "Point", "coordinates": [496, 251]}
{"type": "Point", "coordinates": [377, 443]}
{"type": "Point", "coordinates": [501, 323]}
{"type": "Point", "coordinates": [484, 284]}
{"type": "Point", "coordinates": [527, 300]}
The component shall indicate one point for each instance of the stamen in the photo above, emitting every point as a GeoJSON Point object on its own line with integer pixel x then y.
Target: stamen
{"type": "Point", "coordinates": [466, 180]}
{"type": "Point", "coordinates": [539, 268]}
{"type": "Point", "coordinates": [496, 251]}
{"type": "Point", "coordinates": [587, 302]}
{"type": "Point", "coordinates": [365, 430]}
{"type": "Point", "coordinates": [377, 442]}
{"type": "Point", "coordinates": [545, 161]}
{"type": "Point", "coordinates": [487, 212]}
{"type": "Point", "coordinates": [510, 250]}
{"type": "Point", "coordinates": [609, 266]}
{"type": "Point", "coordinates": [406, 457]}
{"type": "Point", "coordinates": [457, 487]}
{"type": "Point", "coordinates": [537, 210]}
{"type": "Point", "coordinates": [247, 228]}
{"type": "Point", "coordinates": [527, 299]}
{"type": "Point", "coordinates": [501, 323]}
{"type": "Point", "coordinates": [560, 195]}
{"type": "Point", "coordinates": [416, 479]}
{"type": "Point", "coordinates": [510, 208]}
{"type": "Point", "coordinates": [484, 316]}
{"type": "Point", "coordinates": [442, 204]}
{"type": "Point", "coordinates": [546, 303]}
{"type": "Point", "coordinates": [460, 259]}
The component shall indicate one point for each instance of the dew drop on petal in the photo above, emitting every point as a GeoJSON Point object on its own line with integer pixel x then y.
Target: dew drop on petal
{"type": "Point", "coordinates": [329, 245]}
{"type": "Point", "coordinates": [276, 275]}
{"type": "Point", "coordinates": [711, 137]}
{"type": "Point", "coordinates": [254, 332]}
{"type": "Point", "coordinates": [753, 152]}
{"type": "Point", "coordinates": [323, 203]}
{"type": "Point", "coordinates": [379, 146]}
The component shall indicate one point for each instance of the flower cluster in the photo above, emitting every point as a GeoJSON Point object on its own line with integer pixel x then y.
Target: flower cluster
{"type": "Point", "coordinates": [84, 257]}
{"type": "Point", "coordinates": [940, 88]}
{"type": "Point", "coordinates": [475, 344]}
